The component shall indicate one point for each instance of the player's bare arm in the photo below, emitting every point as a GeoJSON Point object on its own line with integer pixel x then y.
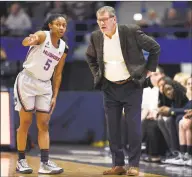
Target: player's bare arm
{"type": "Point", "coordinates": [34, 39]}
{"type": "Point", "coordinates": [57, 76]}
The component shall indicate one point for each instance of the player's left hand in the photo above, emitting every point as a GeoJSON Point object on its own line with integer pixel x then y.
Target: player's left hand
{"type": "Point", "coordinates": [53, 103]}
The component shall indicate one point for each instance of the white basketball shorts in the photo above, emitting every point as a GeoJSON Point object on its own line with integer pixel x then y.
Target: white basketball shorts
{"type": "Point", "coordinates": [32, 94]}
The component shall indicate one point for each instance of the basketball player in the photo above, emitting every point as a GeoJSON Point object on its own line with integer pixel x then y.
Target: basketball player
{"type": "Point", "coordinates": [34, 92]}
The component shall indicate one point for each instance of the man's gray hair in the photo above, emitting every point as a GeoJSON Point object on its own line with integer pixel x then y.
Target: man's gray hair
{"type": "Point", "coordinates": [108, 9]}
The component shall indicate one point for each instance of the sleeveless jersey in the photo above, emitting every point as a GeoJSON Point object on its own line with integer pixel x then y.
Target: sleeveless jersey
{"type": "Point", "coordinates": [42, 59]}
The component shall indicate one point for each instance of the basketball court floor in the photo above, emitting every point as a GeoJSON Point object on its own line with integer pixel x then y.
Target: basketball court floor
{"type": "Point", "coordinates": [84, 161]}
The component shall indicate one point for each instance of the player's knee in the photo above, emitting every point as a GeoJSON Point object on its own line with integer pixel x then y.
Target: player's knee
{"type": "Point", "coordinates": [187, 124]}
{"type": "Point", "coordinates": [24, 125]}
{"type": "Point", "coordinates": [43, 126]}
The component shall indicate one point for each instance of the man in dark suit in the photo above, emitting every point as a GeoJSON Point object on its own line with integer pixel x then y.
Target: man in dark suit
{"type": "Point", "coordinates": [117, 63]}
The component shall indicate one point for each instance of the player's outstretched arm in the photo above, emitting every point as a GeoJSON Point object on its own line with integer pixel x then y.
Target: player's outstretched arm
{"type": "Point", "coordinates": [34, 39]}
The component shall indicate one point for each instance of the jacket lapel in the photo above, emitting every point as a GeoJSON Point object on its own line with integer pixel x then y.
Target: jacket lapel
{"type": "Point", "coordinates": [122, 41]}
{"type": "Point", "coordinates": [101, 53]}
{"type": "Point", "coordinates": [101, 43]}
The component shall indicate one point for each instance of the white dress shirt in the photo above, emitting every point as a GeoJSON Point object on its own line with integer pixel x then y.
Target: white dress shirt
{"type": "Point", "coordinates": [115, 67]}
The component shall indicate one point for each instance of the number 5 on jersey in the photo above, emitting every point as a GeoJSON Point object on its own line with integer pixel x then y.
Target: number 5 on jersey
{"type": "Point", "coordinates": [47, 64]}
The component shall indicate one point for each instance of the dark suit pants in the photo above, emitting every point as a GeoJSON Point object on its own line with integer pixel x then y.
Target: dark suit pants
{"type": "Point", "coordinates": [116, 97]}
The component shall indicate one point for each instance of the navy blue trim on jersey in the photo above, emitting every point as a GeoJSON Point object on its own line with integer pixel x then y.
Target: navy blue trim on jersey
{"type": "Point", "coordinates": [29, 51]}
{"type": "Point", "coordinates": [44, 111]}
{"type": "Point", "coordinates": [47, 112]}
{"type": "Point", "coordinates": [66, 49]}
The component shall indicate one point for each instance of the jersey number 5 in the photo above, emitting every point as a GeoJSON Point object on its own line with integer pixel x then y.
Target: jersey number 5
{"type": "Point", "coordinates": [47, 64]}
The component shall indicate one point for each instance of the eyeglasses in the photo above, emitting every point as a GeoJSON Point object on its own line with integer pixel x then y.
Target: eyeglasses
{"type": "Point", "coordinates": [104, 20]}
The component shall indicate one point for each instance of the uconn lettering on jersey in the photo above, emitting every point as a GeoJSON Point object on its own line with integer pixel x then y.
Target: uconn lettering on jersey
{"type": "Point", "coordinates": [51, 55]}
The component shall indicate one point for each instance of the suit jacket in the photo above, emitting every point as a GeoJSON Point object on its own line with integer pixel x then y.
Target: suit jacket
{"type": "Point", "coordinates": [132, 41]}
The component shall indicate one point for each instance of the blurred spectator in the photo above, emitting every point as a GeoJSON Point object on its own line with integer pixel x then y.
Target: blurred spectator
{"type": "Point", "coordinates": [177, 93]}
{"type": "Point", "coordinates": [152, 136]}
{"type": "Point", "coordinates": [18, 22]}
{"type": "Point", "coordinates": [181, 78]}
{"type": "Point", "coordinates": [39, 11]}
{"type": "Point", "coordinates": [57, 8]}
{"type": "Point", "coordinates": [80, 10]}
{"type": "Point", "coordinates": [3, 14]}
{"type": "Point", "coordinates": [3, 29]}
{"type": "Point", "coordinates": [170, 17]}
{"type": "Point", "coordinates": [176, 18]}
{"type": "Point", "coordinates": [185, 131]}
{"type": "Point", "coordinates": [189, 18]}
{"type": "Point", "coordinates": [190, 4]}
{"type": "Point", "coordinates": [148, 92]}
{"type": "Point", "coordinates": [3, 8]}
{"type": "Point", "coordinates": [189, 88]}
{"type": "Point", "coordinates": [8, 70]}
{"type": "Point", "coordinates": [162, 120]}
{"type": "Point", "coordinates": [161, 82]}
{"type": "Point", "coordinates": [3, 54]}
{"type": "Point", "coordinates": [153, 19]}
{"type": "Point", "coordinates": [189, 22]}
{"type": "Point", "coordinates": [3, 59]}
{"type": "Point", "coordinates": [79, 53]}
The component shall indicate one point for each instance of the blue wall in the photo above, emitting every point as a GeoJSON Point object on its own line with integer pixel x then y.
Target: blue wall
{"type": "Point", "coordinates": [77, 116]}
{"type": "Point", "coordinates": [175, 51]}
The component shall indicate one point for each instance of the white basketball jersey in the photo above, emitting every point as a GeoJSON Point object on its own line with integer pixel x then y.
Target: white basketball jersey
{"type": "Point", "coordinates": [42, 59]}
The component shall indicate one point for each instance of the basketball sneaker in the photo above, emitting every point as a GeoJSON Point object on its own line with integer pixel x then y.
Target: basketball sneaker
{"type": "Point", "coordinates": [23, 167]}
{"type": "Point", "coordinates": [49, 168]}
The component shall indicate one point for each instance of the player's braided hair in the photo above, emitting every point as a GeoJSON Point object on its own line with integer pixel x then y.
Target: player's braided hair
{"type": "Point", "coordinates": [50, 19]}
